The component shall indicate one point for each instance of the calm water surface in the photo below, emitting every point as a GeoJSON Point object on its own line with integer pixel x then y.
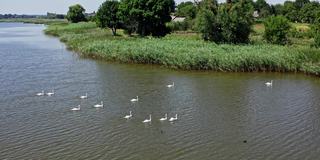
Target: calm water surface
{"type": "Point", "coordinates": [217, 111]}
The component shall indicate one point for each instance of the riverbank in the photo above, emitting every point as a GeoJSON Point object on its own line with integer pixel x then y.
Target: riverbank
{"type": "Point", "coordinates": [186, 51]}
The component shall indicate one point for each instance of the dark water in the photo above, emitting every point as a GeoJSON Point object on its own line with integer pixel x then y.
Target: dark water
{"type": "Point", "coordinates": [218, 112]}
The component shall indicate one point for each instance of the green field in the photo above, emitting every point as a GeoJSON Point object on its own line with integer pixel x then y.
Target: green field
{"type": "Point", "coordinates": [187, 51]}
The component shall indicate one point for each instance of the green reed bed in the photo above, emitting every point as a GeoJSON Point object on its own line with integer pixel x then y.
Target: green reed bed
{"type": "Point", "coordinates": [186, 51]}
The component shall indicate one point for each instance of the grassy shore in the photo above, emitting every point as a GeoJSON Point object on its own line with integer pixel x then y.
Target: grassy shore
{"type": "Point", "coordinates": [186, 51]}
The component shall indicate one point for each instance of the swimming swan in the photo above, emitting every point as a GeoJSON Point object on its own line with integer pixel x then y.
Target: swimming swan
{"type": "Point", "coordinates": [128, 116]}
{"type": "Point", "coordinates": [147, 120]}
{"type": "Point", "coordinates": [50, 93]}
{"type": "Point", "coordinates": [269, 83]}
{"type": "Point", "coordinates": [99, 105]}
{"type": "Point", "coordinates": [76, 108]}
{"type": "Point", "coordinates": [173, 118]}
{"type": "Point", "coordinates": [40, 93]}
{"type": "Point", "coordinates": [135, 99]}
{"type": "Point", "coordinates": [164, 118]}
{"type": "Point", "coordinates": [84, 97]}
{"type": "Point", "coordinates": [170, 85]}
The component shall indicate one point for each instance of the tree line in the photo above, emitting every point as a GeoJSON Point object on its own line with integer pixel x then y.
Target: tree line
{"type": "Point", "coordinates": [216, 24]}
{"type": "Point", "coordinates": [304, 11]}
{"type": "Point", "coordinates": [229, 22]}
{"type": "Point", "coordinates": [144, 17]}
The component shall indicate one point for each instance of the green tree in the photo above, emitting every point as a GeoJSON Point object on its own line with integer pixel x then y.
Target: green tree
{"type": "Point", "coordinates": [107, 15]}
{"type": "Point", "coordinates": [236, 27]}
{"type": "Point", "coordinates": [276, 30]}
{"type": "Point", "coordinates": [76, 14]}
{"type": "Point", "coordinates": [300, 3]}
{"type": "Point", "coordinates": [230, 24]}
{"type": "Point", "coordinates": [263, 8]}
{"type": "Point", "coordinates": [128, 19]}
{"type": "Point", "coordinates": [186, 9]}
{"type": "Point", "coordinates": [290, 11]}
{"type": "Point", "coordinates": [277, 9]}
{"type": "Point", "coordinates": [211, 5]}
{"type": "Point", "coordinates": [310, 12]}
{"type": "Point", "coordinates": [207, 25]}
{"type": "Point", "coordinates": [147, 17]}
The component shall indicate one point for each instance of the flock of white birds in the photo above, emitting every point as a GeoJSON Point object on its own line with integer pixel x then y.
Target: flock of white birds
{"type": "Point", "coordinates": [134, 100]}
{"type": "Point", "coordinates": [100, 105]}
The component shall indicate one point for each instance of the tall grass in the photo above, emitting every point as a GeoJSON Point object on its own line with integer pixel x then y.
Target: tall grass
{"type": "Point", "coordinates": [186, 52]}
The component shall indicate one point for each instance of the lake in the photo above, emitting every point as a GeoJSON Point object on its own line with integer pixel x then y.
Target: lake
{"type": "Point", "coordinates": [231, 116]}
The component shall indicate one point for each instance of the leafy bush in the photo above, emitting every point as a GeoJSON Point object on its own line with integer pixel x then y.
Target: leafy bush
{"type": "Point", "coordinates": [207, 26]}
{"type": "Point", "coordinates": [146, 17]}
{"type": "Point", "coordinates": [276, 30]}
{"type": "Point", "coordinates": [230, 23]}
{"type": "Point", "coordinates": [186, 9]}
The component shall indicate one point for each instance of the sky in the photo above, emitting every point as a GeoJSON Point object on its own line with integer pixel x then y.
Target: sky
{"type": "Point", "coordinates": [41, 7]}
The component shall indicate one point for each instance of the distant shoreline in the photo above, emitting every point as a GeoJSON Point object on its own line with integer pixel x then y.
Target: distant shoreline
{"type": "Point", "coordinates": [35, 20]}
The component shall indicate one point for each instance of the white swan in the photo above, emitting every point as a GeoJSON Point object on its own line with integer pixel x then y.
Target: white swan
{"type": "Point", "coordinates": [135, 99]}
{"type": "Point", "coordinates": [164, 118]}
{"type": "Point", "coordinates": [76, 108]}
{"type": "Point", "coordinates": [173, 118]}
{"type": "Point", "coordinates": [84, 97]}
{"type": "Point", "coordinates": [269, 83]}
{"type": "Point", "coordinates": [40, 93]}
{"type": "Point", "coordinates": [128, 116]}
{"type": "Point", "coordinates": [147, 120]}
{"type": "Point", "coordinates": [170, 85]}
{"type": "Point", "coordinates": [99, 105]}
{"type": "Point", "coordinates": [50, 93]}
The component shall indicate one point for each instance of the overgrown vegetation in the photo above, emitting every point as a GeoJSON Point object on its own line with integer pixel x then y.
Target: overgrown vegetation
{"type": "Point", "coordinates": [225, 23]}
{"type": "Point", "coordinates": [146, 17]}
{"type": "Point", "coordinates": [277, 29]}
{"type": "Point", "coordinates": [186, 51]}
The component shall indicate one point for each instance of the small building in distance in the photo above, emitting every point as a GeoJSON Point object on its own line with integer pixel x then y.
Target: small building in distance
{"type": "Point", "coordinates": [177, 19]}
{"type": "Point", "coordinates": [255, 14]}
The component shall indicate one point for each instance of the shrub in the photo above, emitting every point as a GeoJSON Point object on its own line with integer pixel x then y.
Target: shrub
{"type": "Point", "coordinates": [236, 22]}
{"type": "Point", "coordinates": [206, 25]}
{"type": "Point", "coordinates": [276, 30]}
{"type": "Point", "coordinates": [231, 23]}
{"type": "Point", "coordinates": [146, 17]}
